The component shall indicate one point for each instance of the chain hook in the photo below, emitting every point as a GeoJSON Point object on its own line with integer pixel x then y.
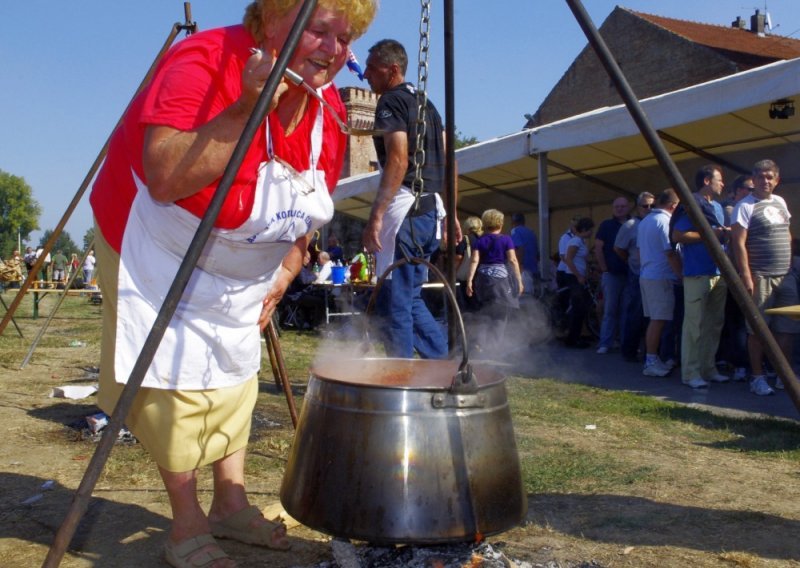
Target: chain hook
{"type": "Point", "coordinates": [418, 186]}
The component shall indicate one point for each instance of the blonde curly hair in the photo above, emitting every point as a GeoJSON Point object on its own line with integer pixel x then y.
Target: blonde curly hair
{"type": "Point", "coordinates": [472, 225]}
{"type": "Point", "coordinates": [360, 13]}
{"type": "Point", "coordinates": [492, 219]}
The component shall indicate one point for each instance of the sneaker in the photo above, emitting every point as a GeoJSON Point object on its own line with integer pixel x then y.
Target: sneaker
{"type": "Point", "coordinates": [669, 363]}
{"type": "Point", "coordinates": [696, 383]}
{"type": "Point", "coordinates": [602, 350]}
{"type": "Point", "coordinates": [739, 374]}
{"type": "Point", "coordinates": [759, 386]}
{"type": "Point", "coordinates": [656, 369]}
{"type": "Point", "coordinates": [718, 378]}
{"type": "Point", "coordinates": [779, 384]}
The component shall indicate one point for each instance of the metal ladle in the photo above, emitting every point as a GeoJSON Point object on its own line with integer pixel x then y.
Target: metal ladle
{"type": "Point", "coordinates": [296, 79]}
{"type": "Point", "coordinates": [346, 128]}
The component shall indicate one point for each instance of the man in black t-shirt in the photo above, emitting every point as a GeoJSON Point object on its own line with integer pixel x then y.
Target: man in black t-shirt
{"type": "Point", "coordinates": [400, 226]}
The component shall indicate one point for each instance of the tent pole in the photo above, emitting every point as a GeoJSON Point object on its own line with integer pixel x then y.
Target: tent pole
{"type": "Point", "coordinates": [544, 219]}
{"type": "Point", "coordinates": [743, 298]}
{"type": "Point", "coordinates": [451, 173]}
{"type": "Point", "coordinates": [83, 494]}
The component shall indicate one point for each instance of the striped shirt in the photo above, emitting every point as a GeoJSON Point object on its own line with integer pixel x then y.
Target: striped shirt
{"type": "Point", "coordinates": [768, 240]}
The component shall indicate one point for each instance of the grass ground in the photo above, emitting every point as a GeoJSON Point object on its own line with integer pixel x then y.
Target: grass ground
{"type": "Point", "coordinates": [612, 478]}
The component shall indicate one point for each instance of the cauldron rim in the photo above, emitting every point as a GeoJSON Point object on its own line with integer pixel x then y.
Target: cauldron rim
{"type": "Point", "coordinates": [399, 373]}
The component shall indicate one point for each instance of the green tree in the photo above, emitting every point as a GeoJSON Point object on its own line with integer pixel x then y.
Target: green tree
{"type": "Point", "coordinates": [462, 141]}
{"type": "Point", "coordinates": [88, 239]}
{"type": "Point", "coordinates": [64, 243]}
{"type": "Point", "coordinates": [19, 212]}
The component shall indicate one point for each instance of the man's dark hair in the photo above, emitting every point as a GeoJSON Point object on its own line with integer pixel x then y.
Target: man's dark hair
{"type": "Point", "coordinates": [389, 52]}
{"type": "Point", "coordinates": [741, 181]}
{"type": "Point", "coordinates": [667, 196]}
{"type": "Point", "coordinates": [703, 174]}
{"type": "Point", "coordinates": [584, 224]}
{"type": "Point", "coordinates": [518, 218]}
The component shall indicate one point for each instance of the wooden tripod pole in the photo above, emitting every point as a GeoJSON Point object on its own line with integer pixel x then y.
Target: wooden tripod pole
{"type": "Point", "coordinates": [279, 368]}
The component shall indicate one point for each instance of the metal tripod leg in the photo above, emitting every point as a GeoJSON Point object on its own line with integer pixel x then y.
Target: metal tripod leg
{"type": "Point", "coordinates": [12, 317]}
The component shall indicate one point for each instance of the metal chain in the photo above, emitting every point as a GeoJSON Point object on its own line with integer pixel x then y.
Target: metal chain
{"type": "Point", "coordinates": [422, 98]}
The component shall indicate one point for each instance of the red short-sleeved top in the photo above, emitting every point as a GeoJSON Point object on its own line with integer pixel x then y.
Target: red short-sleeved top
{"type": "Point", "coordinates": [196, 80]}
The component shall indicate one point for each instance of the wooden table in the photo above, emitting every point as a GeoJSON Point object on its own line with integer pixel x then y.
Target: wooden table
{"type": "Point", "coordinates": [40, 293]}
{"type": "Point", "coordinates": [348, 288]}
{"type": "Point", "coordinates": [352, 289]}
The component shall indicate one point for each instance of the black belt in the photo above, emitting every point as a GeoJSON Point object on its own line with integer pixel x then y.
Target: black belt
{"type": "Point", "coordinates": [426, 204]}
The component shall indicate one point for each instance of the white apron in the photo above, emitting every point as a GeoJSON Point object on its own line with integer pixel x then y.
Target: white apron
{"type": "Point", "coordinates": [392, 219]}
{"type": "Point", "coordinates": [213, 340]}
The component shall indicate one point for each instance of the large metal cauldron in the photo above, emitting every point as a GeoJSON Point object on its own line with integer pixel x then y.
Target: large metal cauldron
{"type": "Point", "coordinates": [389, 451]}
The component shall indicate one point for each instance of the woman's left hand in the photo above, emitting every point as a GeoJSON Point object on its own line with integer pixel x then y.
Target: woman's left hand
{"type": "Point", "coordinates": [273, 297]}
{"type": "Point", "coordinates": [290, 267]}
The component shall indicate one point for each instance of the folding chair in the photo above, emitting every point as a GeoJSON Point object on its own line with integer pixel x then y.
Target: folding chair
{"type": "Point", "coordinates": [290, 313]}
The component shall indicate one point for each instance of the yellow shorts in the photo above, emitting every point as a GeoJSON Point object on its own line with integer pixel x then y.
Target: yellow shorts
{"type": "Point", "coordinates": [182, 430]}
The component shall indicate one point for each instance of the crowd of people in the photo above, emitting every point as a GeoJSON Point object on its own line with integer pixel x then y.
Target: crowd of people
{"type": "Point", "coordinates": [665, 302]}
{"type": "Point", "coordinates": [56, 270]}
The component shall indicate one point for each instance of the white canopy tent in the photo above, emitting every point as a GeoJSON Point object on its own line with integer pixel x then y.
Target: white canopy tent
{"type": "Point", "coordinates": [580, 164]}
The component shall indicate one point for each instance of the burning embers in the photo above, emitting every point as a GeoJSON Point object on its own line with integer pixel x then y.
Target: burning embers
{"type": "Point", "coordinates": [461, 555]}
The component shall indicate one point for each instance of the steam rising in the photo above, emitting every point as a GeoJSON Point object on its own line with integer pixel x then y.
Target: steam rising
{"type": "Point", "coordinates": [498, 338]}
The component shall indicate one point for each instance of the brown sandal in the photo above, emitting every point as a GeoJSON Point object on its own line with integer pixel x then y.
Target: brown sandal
{"type": "Point", "coordinates": [237, 527]}
{"type": "Point", "coordinates": [187, 553]}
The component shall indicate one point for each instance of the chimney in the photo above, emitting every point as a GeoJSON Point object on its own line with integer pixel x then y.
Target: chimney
{"type": "Point", "coordinates": [757, 22]}
{"type": "Point", "coordinates": [739, 23]}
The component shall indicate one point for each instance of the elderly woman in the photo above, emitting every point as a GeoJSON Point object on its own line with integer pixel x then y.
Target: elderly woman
{"type": "Point", "coordinates": [163, 166]}
{"type": "Point", "coordinates": [494, 274]}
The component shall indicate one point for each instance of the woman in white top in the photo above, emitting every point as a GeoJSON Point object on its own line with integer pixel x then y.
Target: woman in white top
{"type": "Point", "coordinates": [576, 261]}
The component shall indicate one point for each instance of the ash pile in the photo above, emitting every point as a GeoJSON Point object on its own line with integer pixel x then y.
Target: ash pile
{"type": "Point", "coordinates": [459, 555]}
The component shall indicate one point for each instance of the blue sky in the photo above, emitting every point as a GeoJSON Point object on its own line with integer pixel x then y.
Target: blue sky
{"type": "Point", "coordinates": [68, 69]}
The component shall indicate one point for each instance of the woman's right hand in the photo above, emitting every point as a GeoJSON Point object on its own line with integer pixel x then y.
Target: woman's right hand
{"type": "Point", "coordinates": [254, 76]}
{"type": "Point", "coordinates": [180, 163]}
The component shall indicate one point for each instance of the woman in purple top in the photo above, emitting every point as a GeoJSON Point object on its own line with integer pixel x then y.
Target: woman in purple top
{"type": "Point", "coordinates": [494, 275]}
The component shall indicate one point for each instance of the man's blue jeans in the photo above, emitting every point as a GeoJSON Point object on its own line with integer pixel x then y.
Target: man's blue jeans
{"type": "Point", "coordinates": [613, 286]}
{"type": "Point", "coordinates": [411, 325]}
{"type": "Point", "coordinates": [633, 327]}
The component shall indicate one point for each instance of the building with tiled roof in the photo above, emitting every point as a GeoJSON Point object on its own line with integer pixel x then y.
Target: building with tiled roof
{"type": "Point", "coordinates": [659, 55]}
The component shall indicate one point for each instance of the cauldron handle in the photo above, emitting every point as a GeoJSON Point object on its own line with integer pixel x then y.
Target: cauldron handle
{"type": "Point", "coordinates": [464, 380]}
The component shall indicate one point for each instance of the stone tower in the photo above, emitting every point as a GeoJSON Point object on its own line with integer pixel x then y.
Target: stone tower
{"type": "Point", "coordinates": [360, 157]}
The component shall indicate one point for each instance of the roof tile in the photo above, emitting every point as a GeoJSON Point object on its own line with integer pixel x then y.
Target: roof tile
{"type": "Point", "coordinates": [729, 39]}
